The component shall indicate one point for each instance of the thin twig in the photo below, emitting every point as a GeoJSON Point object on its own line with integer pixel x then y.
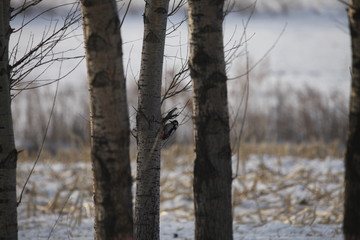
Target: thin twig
{"type": "Point", "coordinates": [247, 90]}
{"type": "Point", "coordinates": [125, 14]}
{"type": "Point", "coordinates": [347, 4]}
{"type": "Point", "coordinates": [43, 53]}
{"type": "Point", "coordinates": [177, 7]}
{"type": "Point", "coordinates": [263, 57]}
{"type": "Point", "coordinates": [42, 142]}
{"type": "Point", "coordinates": [60, 213]}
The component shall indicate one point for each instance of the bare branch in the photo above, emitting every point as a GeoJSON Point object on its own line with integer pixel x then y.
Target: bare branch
{"type": "Point", "coordinates": [176, 7]}
{"type": "Point", "coordinates": [28, 85]}
{"type": "Point", "coordinates": [43, 54]}
{"type": "Point", "coordinates": [176, 85]}
{"type": "Point", "coordinates": [44, 12]}
{"type": "Point", "coordinates": [175, 26]}
{"type": "Point", "coordinates": [233, 52]}
{"type": "Point", "coordinates": [170, 115]}
{"type": "Point", "coordinates": [263, 57]}
{"type": "Point", "coordinates": [246, 97]}
{"type": "Point", "coordinates": [125, 14]}
{"type": "Point", "coordinates": [24, 7]}
{"type": "Point", "coordinates": [42, 143]}
{"type": "Point", "coordinates": [229, 8]}
{"type": "Point", "coordinates": [347, 4]}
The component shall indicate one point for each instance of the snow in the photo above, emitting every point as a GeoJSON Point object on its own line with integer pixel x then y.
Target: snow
{"type": "Point", "coordinates": [313, 50]}
{"type": "Point", "coordinates": [273, 197]}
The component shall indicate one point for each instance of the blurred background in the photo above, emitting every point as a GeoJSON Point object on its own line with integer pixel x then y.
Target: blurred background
{"type": "Point", "coordinates": [288, 64]}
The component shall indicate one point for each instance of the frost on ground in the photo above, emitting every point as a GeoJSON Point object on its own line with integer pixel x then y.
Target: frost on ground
{"type": "Point", "coordinates": [273, 198]}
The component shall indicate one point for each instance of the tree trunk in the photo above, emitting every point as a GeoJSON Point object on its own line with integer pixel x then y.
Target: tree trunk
{"type": "Point", "coordinates": [109, 121]}
{"type": "Point", "coordinates": [212, 171]}
{"type": "Point", "coordinates": [8, 153]}
{"type": "Point", "coordinates": [352, 157]}
{"type": "Point", "coordinates": [149, 124]}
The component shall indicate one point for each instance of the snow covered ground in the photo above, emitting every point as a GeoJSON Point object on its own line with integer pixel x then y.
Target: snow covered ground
{"type": "Point", "coordinates": [273, 198]}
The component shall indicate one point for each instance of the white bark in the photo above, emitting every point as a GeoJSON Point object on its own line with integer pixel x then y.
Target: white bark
{"type": "Point", "coordinates": [147, 205]}
{"type": "Point", "coordinates": [212, 168]}
{"type": "Point", "coordinates": [109, 121]}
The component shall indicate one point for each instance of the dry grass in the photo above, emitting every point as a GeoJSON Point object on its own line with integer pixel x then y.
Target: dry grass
{"type": "Point", "coordinates": [274, 183]}
{"type": "Point", "coordinates": [300, 196]}
{"type": "Point", "coordinates": [302, 150]}
{"type": "Point", "coordinates": [280, 113]}
{"type": "Point", "coordinates": [266, 189]}
{"type": "Point", "coordinates": [59, 186]}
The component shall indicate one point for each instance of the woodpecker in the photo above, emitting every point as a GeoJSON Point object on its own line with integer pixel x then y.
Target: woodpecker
{"type": "Point", "coordinates": [169, 129]}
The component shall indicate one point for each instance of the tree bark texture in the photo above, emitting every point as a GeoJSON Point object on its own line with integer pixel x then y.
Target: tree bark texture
{"type": "Point", "coordinates": [109, 121]}
{"type": "Point", "coordinates": [149, 122]}
{"type": "Point", "coordinates": [352, 158]}
{"type": "Point", "coordinates": [212, 170]}
{"type": "Point", "coordinates": [8, 153]}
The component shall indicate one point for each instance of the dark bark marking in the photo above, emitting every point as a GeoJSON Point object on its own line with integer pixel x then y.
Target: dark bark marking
{"type": "Point", "coordinates": [204, 169]}
{"type": "Point", "coordinates": [217, 77]}
{"type": "Point", "coordinates": [197, 16]}
{"type": "Point", "coordinates": [101, 79]}
{"type": "Point", "coordinates": [6, 188]}
{"type": "Point", "coordinates": [101, 142]}
{"type": "Point", "coordinates": [161, 10]}
{"type": "Point", "coordinates": [96, 43]}
{"type": "Point", "coordinates": [113, 25]}
{"type": "Point", "coordinates": [355, 18]}
{"type": "Point", "coordinates": [119, 48]}
{"type": "Point", "coordinates": [218, 3]}
{"type": "Point", "coordinates": [356, 62]}
{"type": "Point", "coordinates": [2, 71]}
{"type": "Point", "coordinates": [193, 72]}
{"type": "Point", "coordinates": [152, 38]}
{"type": "Point", "coordinates": [88, 3]}
{"type": "Point", "coordinates": [356, 15]}
{"type": "Point", "coordinates": [201, 58]}
{"type": "Point", "coordinates": [353, 31]}
{"type": "Point", "coordinates": [145, 19]}
{"type": "Point", "coordinates": [209, 29]}
{"type": "Point", "coordinates": [213, 81]}
{"type": "Point", "coordinates": [9, 162]}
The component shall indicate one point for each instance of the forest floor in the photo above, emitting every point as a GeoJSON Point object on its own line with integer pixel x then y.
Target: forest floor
{"type": "Point", "coordinates": [277, 196]}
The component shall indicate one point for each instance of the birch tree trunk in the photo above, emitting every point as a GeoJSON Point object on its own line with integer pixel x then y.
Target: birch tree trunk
{"type": "Point", "coordinates": [109, 121]}
{"type": "Point", "coordinates": [212, 170]}
{"type": "Point", "coordinates": [148, 120]}
{"type": "Point", "coordinates": [352, 158]}
{"type": "Point", "coordinates": [8, 153]}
